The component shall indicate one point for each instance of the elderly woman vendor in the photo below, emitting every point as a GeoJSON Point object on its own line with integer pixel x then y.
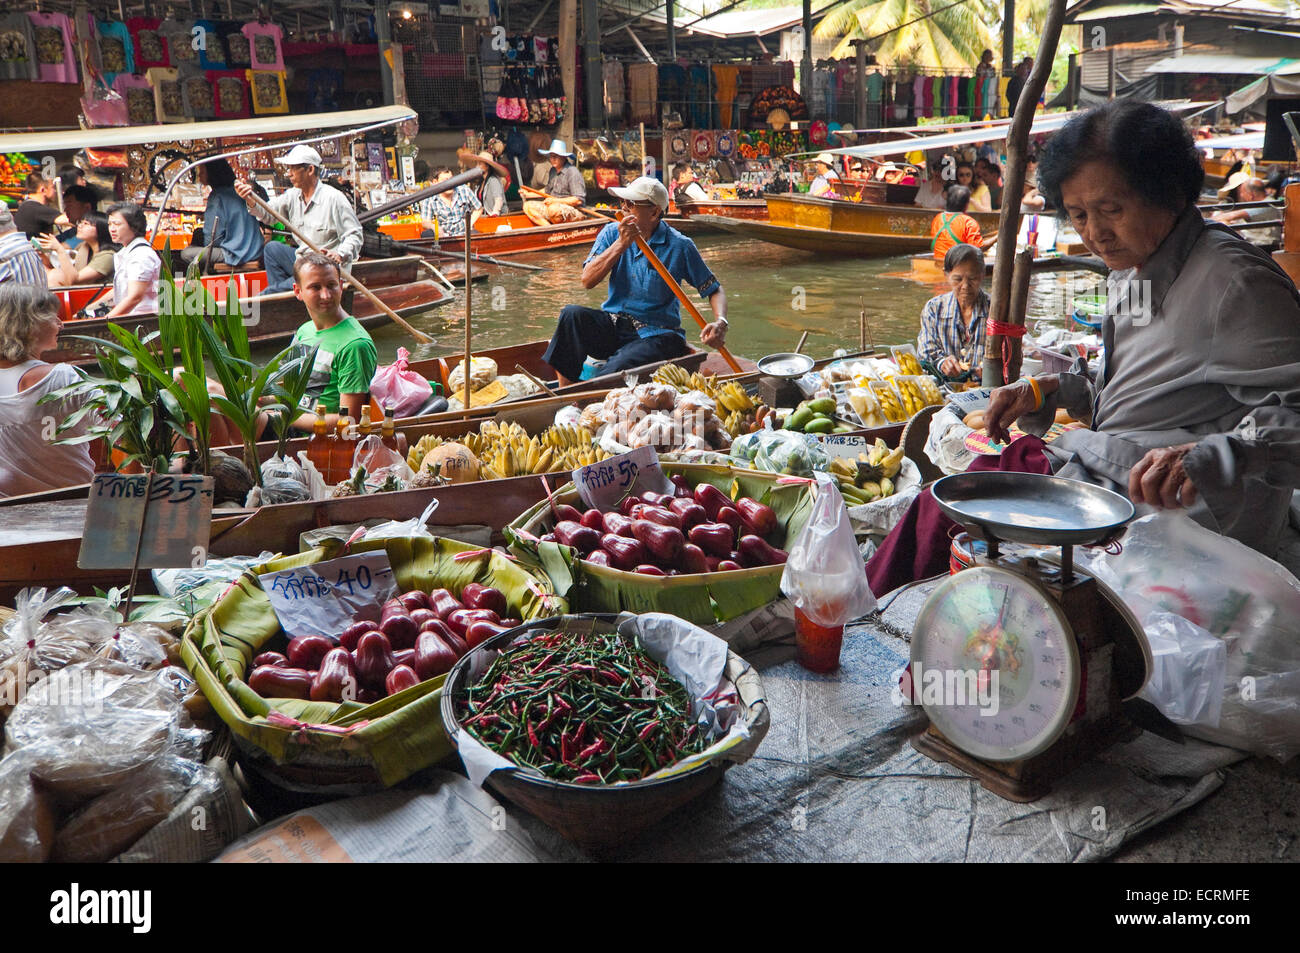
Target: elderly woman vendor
{"type": "Point", "coordinates": [952, 325]}
{"type": "Point", "coordinates": [1197, 403]}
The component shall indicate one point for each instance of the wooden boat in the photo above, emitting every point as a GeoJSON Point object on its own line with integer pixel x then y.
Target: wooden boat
{"type": "Point", "coordinates": [753, 209]}
{"type": "Point", "coordinates": [499, 235]}
{"type": "Point", "coordinates": [839, 227]}
{"type": "Point", "coordinates": [273, 318]}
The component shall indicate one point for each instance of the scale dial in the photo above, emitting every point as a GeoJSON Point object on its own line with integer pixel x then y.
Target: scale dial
{"type": "Point", "coordinates": [987, 620]}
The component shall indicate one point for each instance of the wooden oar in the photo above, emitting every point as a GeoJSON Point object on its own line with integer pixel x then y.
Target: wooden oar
{"type": "Point", "coordinates": [676, 289]}
{"type": "Point", "coordinates": [374, 299]}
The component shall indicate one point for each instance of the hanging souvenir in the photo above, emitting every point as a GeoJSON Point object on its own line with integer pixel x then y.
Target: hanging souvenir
{"type": "Point", "coordinates": [231, 90]}
{"type": "Point", "coordinates": [140, 107]}
{"type": "Point", "coordinates": [197, 90]}
{"type": "Point", "coordinates": [17, 48]}
{"type": "Point", "coordinates": [169, 101]}
{"type": "Point", "coordinates": [724, 144]}
{"type": "Point", "coordinates": [116, 51]}
{"type": "Point", "coordinates": [55, 62]}
{"type": "Point", "coordinates": [818, 132]}
{"type": "Point", "coordinates": [701, 145]}
{"type": "Point", "coordinates": [268, 91]}
{"type": "Point", "coordinates": [323, 87]}
{"type": "Point", "coordinates": [180, 39]}
{"type": "Point", "coordinates": [264, 40]}
{"type": "Point", "coordinates": [150, 46]}
{"type": "Point", "coordinates": [238, 51]}
{"type": "Point", "coordinates": [212, 50]}
{"type": "Point", "coordinates": [679, 146]}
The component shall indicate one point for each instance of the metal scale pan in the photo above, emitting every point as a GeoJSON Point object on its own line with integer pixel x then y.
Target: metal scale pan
{"type": "Point", "coordinates": [786, 365]}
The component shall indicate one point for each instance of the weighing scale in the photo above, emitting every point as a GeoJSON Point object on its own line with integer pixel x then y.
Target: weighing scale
{"type": "Point", "coordinates": [777, 387]}
{"type": "Point", "coordinates": [1050, 651]}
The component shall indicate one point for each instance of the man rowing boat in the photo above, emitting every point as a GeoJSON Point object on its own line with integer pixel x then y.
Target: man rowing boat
{"type": "Point", "coordinates": [565, 190]}
{"type": "Point", "coordinates": [639, 322]}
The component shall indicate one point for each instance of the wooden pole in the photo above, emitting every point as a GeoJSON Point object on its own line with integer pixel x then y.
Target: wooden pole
{"type": "Point", "coordinates": [1013, 187]}
{"type": "Point", "coordinates": [469, 294]}
{"type": "Point", "coordinates": [644, 163]}
{"type": "Point", "coordinates": [568, 35]}
{"type": "Point", "coordinates": [862, 324]}
{"type": "Point", "coordinates": [347, 276]}
{"type": "Point", "coordinates": [676, 289]}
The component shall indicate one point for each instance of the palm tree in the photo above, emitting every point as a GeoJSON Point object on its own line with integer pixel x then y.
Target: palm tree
{"type": "Point", "coordinates": [929, 33]}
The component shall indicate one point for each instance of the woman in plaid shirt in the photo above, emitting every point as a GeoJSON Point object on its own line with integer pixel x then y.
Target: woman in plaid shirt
{"type": "Point", "coordinates": [952, 325]}
{"type": "Point", "coordinates": [447, 209]}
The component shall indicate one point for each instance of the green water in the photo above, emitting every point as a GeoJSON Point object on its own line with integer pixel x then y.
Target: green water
{"type": "Point", "coordinates": [773, 295]}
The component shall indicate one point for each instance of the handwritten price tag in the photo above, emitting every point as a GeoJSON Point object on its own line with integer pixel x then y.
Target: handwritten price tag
{"type": "Point", "coordinates": [325, 598]}
{"type": "Point", "coordinates": [603, 484]}
{"type": "Point", "coordinates": [844, 446]}
{"type": "Point", "coordinates": [176, 527]}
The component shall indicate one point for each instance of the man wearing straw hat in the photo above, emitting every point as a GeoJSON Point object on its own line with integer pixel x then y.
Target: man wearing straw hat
{"type": "Point", "coordinates": [639, 322]}
{"type": "Point", "coordinates": [824, 166]}
{"type": "Point", "coordinates": [321, 212]}
{"type": "Point", "coordinates": [565, 191]}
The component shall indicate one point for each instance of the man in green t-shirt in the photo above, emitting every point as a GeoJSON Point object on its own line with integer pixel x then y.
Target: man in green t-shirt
{"type": "Point", "coordinates": [345, 356]}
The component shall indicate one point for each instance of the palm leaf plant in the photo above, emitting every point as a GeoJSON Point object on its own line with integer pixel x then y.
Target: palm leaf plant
{"type": "Point", "coordinates": [290, 386]}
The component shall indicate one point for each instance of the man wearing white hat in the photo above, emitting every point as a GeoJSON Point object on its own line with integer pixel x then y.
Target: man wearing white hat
{"type": "Point", "coordinates": [823, 185]}
{"type": "Point", "coordinates": [565, 191]}
{"type": "Point", "coordinates": [321, 212]}
{"type": "Point", "coordinates": [639, 322]}
{"type": "Point", "coordinates": [1242, 186]}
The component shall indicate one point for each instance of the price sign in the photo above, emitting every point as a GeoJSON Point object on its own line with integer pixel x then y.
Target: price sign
{"type": "Point", "coordinates": [601, 485]}
{"type": "Point", "coordinates": [325, 598]}
{"type": "Point", "coordinates": [175, 526]}
{"type": "Point", "coordinates": [844, 446]}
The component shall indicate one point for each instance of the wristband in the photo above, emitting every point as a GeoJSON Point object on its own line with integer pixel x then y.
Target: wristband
{"type": "Point", "coordinates": [1038, 393]}
{"type": "Point", "coordinates": [722, 320]}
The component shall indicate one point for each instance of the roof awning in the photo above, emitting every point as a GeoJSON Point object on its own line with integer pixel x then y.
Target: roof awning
{"type": "Point", "coordinates": [1262, 88]}
{"type": "Point", "coordinates": [72, 139]}
{"type": "Point", "coordinates": [731, 23]}
{"type": "Point", "coordinates": [1115, 11]}
{"type": "Point", "coordinates": [1049, 122]}
{"type": "Point", "coordinates": [1244, 140]}
{"type": "Point", "coordinates": [1226, 64]}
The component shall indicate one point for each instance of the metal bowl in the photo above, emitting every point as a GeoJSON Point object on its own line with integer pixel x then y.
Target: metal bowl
{"type": "Point", "coordinates": [786, 364]}
{"type": "Point", "coordinates": [1032, 507]}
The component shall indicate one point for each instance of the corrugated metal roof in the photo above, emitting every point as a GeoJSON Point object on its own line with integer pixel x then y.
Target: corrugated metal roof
{"type": "Point", "coordinates": [1226, 64]}
{"type": "Point", "coordinates": [1115, 11]}
{"type": "Point", "coordinates": [742, 22]}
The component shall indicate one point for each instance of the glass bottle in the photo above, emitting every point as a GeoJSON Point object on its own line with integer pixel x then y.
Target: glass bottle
{"type": "Point", "coordinates": [318, 447]}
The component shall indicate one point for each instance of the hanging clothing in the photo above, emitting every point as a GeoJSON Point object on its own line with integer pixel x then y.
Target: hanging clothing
{"type": "Point", "coordinates": [903, 99]}
{"type": "Point", "coordinates": [264, 44]}
{"type": "Point", "coordinates": [819, 95]}
{"type": "Point", "coordinates": [116, 54]}
{"type": "Point", "coordinates": [725, 78]}
{"type": "Point", "coordinates": [954, 96]}
{"type": "Point", "coordinates": [180, 42]}
{"type": "Point", "coordinates": [55, 61]}
{"type": "Point", "coordinates": [615, 96]}
{"type": "Point", "coordinates": [17, 48]}
{"type": "Point", "coordinates": [1002, 90]}
{"type": "Point", "coordinates": [672, 86]}
{"type": "Point", "coordinates": [701, 104]}
{"type": "Point", "coordinates": [643, 91]}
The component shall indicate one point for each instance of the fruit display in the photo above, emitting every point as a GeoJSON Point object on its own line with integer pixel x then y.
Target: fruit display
{"type": "Point", "coordinates": [419, 636]}
{"type": "Point", "coordinates": [815, 416]}
{"type": "Point", "coordinates": [737, 411]}
{"type": "Point", "coordinates": [871, 476]}
{"type": "Point", "coordinates": [498, 450]}
{"type": "Point", "coordinates": [780, 451]}
{"type": "Point", "coordinates": [905, 357]}
{"type": "Point", "coordinates": [881, 392]}
{"type": "Point", "coordinates": [14, 169]}
{"type": "Point", "coordinates": [700, 530]}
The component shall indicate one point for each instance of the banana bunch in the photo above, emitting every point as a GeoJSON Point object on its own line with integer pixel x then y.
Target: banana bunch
{"type": "Point", "coordinates": [889, 461]}
{"type": "Point", "coordinates": [915, 394]}
{"type": "Point", "coordinates": [732, 397]}
{"type": "Point", "coordinates": [854, 483]}
{"type": "Point", "coordinates": [567, 437]}
{"type": "Point", "coordinates": [415, 456]}
{"type": "Point", "coordinates": [890, 405]}
{"type": "Point", "coordinates": [674, 375]}
{"type": "Point", "coordinates": [907, 363]}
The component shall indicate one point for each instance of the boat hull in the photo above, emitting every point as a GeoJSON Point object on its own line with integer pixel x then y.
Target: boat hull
{"type": "Point", "coordinates": [501, 235]}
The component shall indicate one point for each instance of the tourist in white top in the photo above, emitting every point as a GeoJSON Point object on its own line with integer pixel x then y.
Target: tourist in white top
{"type": "Point", "coordinates": [135, 265]}
{"type": "Point", "coordinates": [321, 212]}
{"type": "Point", "coordinates": [931, 192]}
{"type": "Point", "coordinates": [30, 461]}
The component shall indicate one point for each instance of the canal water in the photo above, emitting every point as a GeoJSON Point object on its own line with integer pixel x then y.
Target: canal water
{"type": "Point", "coordinates": [773, 295]}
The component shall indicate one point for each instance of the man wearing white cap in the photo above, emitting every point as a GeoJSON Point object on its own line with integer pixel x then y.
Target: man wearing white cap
{"type": "Point", "coordinates": [1244, 187]}
{"type": "Point", "coordinates": [321, 212]}
{"type": "Point", "coordinates": [823, 185]}
{"type": "Point", "coordinates": [565, 191]}
{"type": "Point", "coordinates": [639, 322]}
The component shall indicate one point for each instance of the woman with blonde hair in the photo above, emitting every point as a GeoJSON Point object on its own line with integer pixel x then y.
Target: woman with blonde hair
{"type": "Point", "coordinates": [30, 460]}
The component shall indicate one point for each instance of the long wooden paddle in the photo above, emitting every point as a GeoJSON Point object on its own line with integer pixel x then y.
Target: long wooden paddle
{"type": "Point", "coordinates": [676, 289]}
{"type": "Point", "coordinates": [374, 299]}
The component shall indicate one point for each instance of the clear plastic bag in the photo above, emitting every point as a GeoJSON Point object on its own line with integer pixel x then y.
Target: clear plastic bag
{"type": "Point", "coordinates": [824, 575]}
{"type": "Point", "coordinates": [781, 451]}
{"type": "Point", "coordinates": [1186, 681]}
{"type": "Point", "coordinates": [380, 462]}
{"type": "Point", "coordinates": [177, 582]}
{"type": "Point", "coordinates": [396, 385]}
{"type": "Point", "coordinates": [283, 468]}
{"type": "Point", "coordinates": [38, 643]}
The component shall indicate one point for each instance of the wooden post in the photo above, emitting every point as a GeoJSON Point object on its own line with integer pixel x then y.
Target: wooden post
{"type": "Point", "coordinates": [1013, 187]}
{"type": "Point", "coordinates": [568, 34]}
{"type": "Point", "coordinates": [644, 161]}
{"type": "Point", "coordinates": [860, 90]}
{"type": "Point", "coordinates": [469, 295]}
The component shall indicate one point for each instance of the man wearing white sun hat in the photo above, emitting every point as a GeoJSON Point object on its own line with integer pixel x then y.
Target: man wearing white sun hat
{"type": "Point", "coordinates": [639, 322]}
{"type": "Point", "coordinates": [827, 179]}
{"type": "Point", "coordinates": [565, 191]}
{"type": "Point", "coordinates": [321, 212]}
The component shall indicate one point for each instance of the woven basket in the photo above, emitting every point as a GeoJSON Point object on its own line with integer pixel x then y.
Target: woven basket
{"type": "Point", "coordinates": [348, 747]}
{"type": "Point", "coordinates": [704, 599]}
{"type": "Point", "coordinates": [604, 817]}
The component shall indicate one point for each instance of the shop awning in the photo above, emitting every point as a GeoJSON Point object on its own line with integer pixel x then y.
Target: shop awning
{"type": "Point", "coordinates": [731, 23]}
{"type": "Point", "coordinates": [1262, 88]}
{"type": "Point", "coordinates": [72, 139]}
{"type": "Point", "coordinates": [1225, 64]}
{"type": "Point", "coordinates": [1245, 140]}
{"type": "Point", "coordinates": [1115, 11]}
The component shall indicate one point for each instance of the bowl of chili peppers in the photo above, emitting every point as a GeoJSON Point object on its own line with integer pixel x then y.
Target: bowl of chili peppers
{"type": "Point", "coordinates": [578, 720]}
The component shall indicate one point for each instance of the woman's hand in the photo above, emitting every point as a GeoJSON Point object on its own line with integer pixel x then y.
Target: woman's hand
{"type": "Point", "coordinates": [1160, 480]}
{"type": "Point", "coordinates": [1006, 406]}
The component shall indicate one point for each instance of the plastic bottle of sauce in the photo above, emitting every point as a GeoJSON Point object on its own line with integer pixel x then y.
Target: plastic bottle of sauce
{"type": "Point", "coordinates": [318, 447]}
{"type": "Point", "coordinates": [389, 434]}
{"type": "Point", "coordinates": [365, 428]}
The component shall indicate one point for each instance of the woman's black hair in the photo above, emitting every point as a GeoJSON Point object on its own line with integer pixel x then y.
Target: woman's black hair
{"type": "Point", "coordinates": [132, 215]}
{"type": "Point", "coordinates": [220, 174]}
{"type": "Point", "coordinates": [421, 170]}
{"type": "Point", "coordinates": [960, 254]}
{"type": "Point", "coordinates": [100, 221]}
{"type": "Point", "coordinates": [1150, 146]}
{"type": "Point", "coordinates": [956, 198]}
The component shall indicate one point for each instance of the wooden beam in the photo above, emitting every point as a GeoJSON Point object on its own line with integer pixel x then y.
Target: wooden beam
{"type": "Point", "coordinates": [568, 33]}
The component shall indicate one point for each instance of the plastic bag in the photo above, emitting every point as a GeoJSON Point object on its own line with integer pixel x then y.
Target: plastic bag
{"type": "Point", "coordinates": [277, 490]}
{"type": "Point", "coordinates": [178, 582]}
{"type": "Point", "coordinates": [824, 575]}
{"type": "Point", "coordinates": [396, 385]}
{"type": "Point", "coordinates": [483, 371]}
{"type": "Point", "coordinates": [283, 468]}
{"type": "Point", "coordinates": [380, 462]}
{"type": "Point", "coordinates": [781, 451]}
{"type": "Point", "coordinates": [1170, 563]}
{"type": "Point", "coordinates": [1186, 681]}
{"type": "Point", "coordinates": [37, 644]}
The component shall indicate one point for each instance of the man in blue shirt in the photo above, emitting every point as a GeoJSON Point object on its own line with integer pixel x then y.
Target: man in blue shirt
{"type": "Point", "coordinates": [234, 235]}
{"type": "Point", "coordinates": [639, 322]}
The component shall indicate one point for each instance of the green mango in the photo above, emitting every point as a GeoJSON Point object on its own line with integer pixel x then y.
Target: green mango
{"type": "Point", "coordinates": [798, 419]}
{"type": "Point", "coordinates": [820, 425]}
{"type": "Point", "coordinates": [822, 405]}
